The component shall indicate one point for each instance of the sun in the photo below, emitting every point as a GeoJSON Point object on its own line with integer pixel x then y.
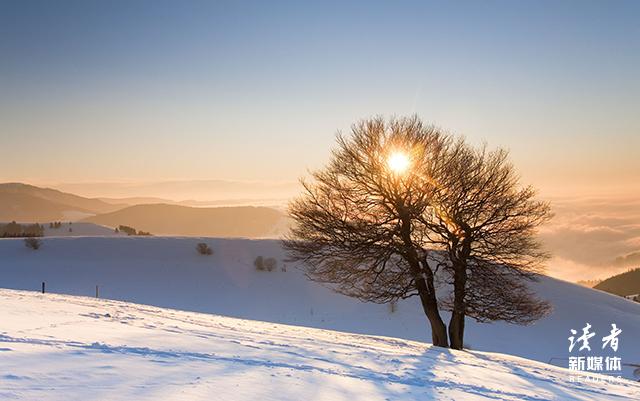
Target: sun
{"type": "Point", "coordinates": [398, 162]}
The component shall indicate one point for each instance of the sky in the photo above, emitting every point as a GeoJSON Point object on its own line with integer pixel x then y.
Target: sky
{"type": "Point", "coordinates": [192, 94]}
{"type": "Point", "coordinates": [94, 91]}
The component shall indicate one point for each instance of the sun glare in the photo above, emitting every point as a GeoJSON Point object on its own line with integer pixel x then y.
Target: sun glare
{"type": "Point", "coordinates": [398, 162]}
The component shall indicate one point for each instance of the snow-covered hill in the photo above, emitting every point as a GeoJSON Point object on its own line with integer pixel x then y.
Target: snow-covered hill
{"type": "Point", "coordinates": [168, 272]}
{"type": "Point", "coordinates": [55, 347]}
{"type": "Point", "coordinates": [79, 229]}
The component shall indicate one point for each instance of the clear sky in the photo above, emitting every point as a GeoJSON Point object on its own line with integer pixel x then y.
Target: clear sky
{"type": "Point", "coordinates": [157, 90]}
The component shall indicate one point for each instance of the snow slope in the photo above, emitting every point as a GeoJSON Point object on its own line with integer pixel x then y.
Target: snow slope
{"type": "Point", "coordinates": [167, 272]}
{"type": "Point", "coordinates": [79, 229]}
{"type": "Point", "coordinates": [55, 347]}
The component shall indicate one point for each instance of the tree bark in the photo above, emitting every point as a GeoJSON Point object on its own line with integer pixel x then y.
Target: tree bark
{"type": "Point", "coordinates": [456, 324]}
{"type": "Point", "coordinates": [424, 284]}
{"type": "Point", "coordinates": [429, 302]}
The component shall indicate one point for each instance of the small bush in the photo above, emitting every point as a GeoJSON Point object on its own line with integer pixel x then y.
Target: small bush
{"type": "Point", "coordinates": [32, 243]}
{"type": "Point", "coordinates": [268, 264]}
{"type": "Point", "coordinates": [131, 231]}
{"type": "Point", "coordinates": [204, 249]}
{"type": "Point", "coordinates": [259, 263]}
{"type": "Point", "coordinates": [127, 230]}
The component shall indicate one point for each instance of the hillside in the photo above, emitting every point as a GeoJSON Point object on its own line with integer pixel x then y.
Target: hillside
{"type": "Point", "coordinates": [71, 348]}
{"type": "Point", "coordinates": [627, 283]}
{"type": "Point", "coordinates": [163, 219]}
{"type": "Point", "coordinates": [79, 229]}
{"type": "Point", "coordinates": [28, 203]}
{"type": "Point", "coordinates": [168, 272]}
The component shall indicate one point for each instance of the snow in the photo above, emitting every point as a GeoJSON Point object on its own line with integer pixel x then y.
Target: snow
{"type": "Point", "coordinates": [168, 272]}
{"type": "Point", "coordinates": [59, 347]}
{"type": "Point", "coordinates": [79, 230]}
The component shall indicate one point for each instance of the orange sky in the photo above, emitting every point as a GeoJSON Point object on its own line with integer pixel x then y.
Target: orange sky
{"type": "Point", "coordinates": [256, 93]}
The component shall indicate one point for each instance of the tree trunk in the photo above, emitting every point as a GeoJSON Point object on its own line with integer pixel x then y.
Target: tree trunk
{"type": "Point", "coordinates": [430, 307]}
{"type": "Point", "coordinates": [456, 324]}
{"type": "Point", "coordinates": [424, 285]}
{"type": "Point", "coordinates": [456, 330]}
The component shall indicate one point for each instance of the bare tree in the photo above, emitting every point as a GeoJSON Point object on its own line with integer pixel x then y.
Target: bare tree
{"type": "Point", "coordinates": [359, 225]}
{"type": "Point", "coordinates": [400, 204]}
{"type": "Point", "coordinates": [486, 226]}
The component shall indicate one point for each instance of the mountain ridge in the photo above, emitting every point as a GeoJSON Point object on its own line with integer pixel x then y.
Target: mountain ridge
{"type": "Point", "coordinates": [623, 284]}
{"type": "Point", "coordinates": [170, 219]}
{"type": "Point", "coordinates": [29, 203]}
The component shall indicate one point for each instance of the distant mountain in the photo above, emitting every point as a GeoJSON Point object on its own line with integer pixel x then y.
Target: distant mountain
{"type": "Point", "coordinates": [164, 219]}
{"type": "Point", "coordinates": [141, 200]}
{"type": "Point", "coordinates": [28, 203]}
{"type": "Point", "coordinates": [136, 200]}
{"type": "Point", "coordinates": [210, 190]}
{"type": "Point", "coordinates": [627, 283]}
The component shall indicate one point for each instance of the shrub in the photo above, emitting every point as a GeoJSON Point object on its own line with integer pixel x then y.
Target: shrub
{"type": "Point", "coordinates": [259, 263]}
{"type": "Point", "coordinates": [127, 230]}
{"type": "Point", "coordinates": [131, 231]}
{"type": "Point", "coordinates": [204, 249]}
{"type": "Point", "coordinates": [262, 264]}
{"type": "Point", "coordinates": [270, 264]}
{"type": "Point", "coordinates": [32, 243]}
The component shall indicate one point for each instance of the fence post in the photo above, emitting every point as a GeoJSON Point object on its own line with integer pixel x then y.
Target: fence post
{"type": "Point", "coordinates": [43, 287]}
{"type": "Point", "coordinates": [97, 292]}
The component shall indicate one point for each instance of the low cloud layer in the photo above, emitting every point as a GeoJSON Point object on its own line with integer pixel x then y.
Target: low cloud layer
{"type": "Point", "coordinates": [593, 238]}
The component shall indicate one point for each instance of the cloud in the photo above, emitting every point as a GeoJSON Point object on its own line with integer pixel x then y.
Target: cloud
{"type": "Point", "coordinates": [632, 259]}
{"type": "Point", "coordinates": [592, 237]}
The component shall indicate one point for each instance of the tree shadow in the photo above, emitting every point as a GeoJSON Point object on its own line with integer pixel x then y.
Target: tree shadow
{"type": "Point", "coordinates": [389, 369]}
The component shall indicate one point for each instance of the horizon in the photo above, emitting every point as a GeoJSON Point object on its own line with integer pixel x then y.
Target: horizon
{"type": "Point", "coordinates": [587, 236]}
{"type": "Point", "coordinates": [223, 104]}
